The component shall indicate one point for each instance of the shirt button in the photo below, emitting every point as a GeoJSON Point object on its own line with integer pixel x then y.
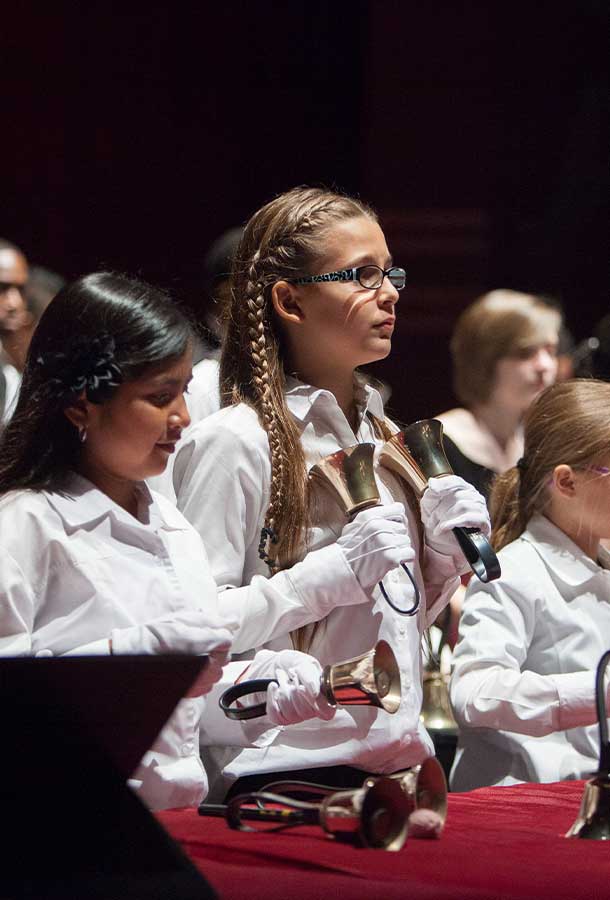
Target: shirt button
{"type": "Point", "coordinates": [402, 630]}
{"type": "Point", "coordinates": [188, 748]}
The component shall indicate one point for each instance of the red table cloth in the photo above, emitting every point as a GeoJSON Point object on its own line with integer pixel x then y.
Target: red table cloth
{"type": "Point", "coordinates": [498, 843]}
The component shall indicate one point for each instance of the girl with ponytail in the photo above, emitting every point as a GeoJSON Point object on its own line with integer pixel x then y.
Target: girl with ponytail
{"type": "Point", "coordinates": [314, 295]}
{"type": "Point", "coordinates": [524, 667]}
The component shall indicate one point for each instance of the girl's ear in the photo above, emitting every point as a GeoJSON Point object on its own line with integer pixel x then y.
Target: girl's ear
{"type": "Point", "coordinates": [286, 303]}
{"type": "Point", "coordinates": [78, 413]}
{"type": "Point", "coordinates": [563, 480]}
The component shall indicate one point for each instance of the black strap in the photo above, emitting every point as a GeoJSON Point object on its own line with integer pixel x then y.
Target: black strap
{"type": "Point", "coordinates": [479, 553]}
{"type": "Point", "coordinates": [255, 686]}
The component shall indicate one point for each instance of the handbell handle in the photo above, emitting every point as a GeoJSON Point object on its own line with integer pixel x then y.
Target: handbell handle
{"type": "Point", "coordinates": [479, 553]}
{"type": "Point", "coordinates": [244, 689]}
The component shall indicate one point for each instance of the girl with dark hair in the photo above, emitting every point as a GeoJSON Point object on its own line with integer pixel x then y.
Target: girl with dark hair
{"type": "Point", "coordinates": [314, 295]}
{"type": "Point", "coordinates": [523, 687]}
{"type": "Point", "coordinates": [90, 561]}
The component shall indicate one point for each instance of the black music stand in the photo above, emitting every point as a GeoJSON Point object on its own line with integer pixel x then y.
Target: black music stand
{"type": "Point", "coordinates": [73, 729]}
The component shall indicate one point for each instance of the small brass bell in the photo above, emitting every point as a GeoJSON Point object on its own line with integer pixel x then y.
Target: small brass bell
{"type": "Point", "coordinates": [436, 714]}
{"type": "Point", "coordinates": [417, 454]}
{"type": "Point", "coordinates": [593, 820]}
{"type": "Point", "coordinates": [372, 679]}
{"type": "Point", "coordinates": [349, 476]}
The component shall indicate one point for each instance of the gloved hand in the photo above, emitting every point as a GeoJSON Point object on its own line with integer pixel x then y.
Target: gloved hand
{"type": "Point", "coordinates": [450, 502]}
{"type": "Point", "coordinates": [375, 542]}
{"type": "Point", "coordinates": [189, 631]}
{"type": "Point", "coordinates": [297, 695]}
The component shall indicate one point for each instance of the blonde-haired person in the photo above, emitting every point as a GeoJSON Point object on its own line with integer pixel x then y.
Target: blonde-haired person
{"type": "Point", "coordinates": [314, 296]}
{"type": "Point", "coordinates": [504, 350]}
{"type": "Point", "coordinates": [523, 683]}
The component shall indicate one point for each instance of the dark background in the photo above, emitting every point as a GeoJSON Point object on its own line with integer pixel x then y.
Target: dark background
{"type": "Point", "coordinates": [132, 136]}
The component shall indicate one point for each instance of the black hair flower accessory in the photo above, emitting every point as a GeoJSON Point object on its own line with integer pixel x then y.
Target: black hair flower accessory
{"type": "Point", "coordinates": [88, 365]}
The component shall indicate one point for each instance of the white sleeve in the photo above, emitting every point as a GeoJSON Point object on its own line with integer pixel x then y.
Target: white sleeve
{"type": "Point", "coordinates": [489, 689]}
{"type": "Point", "coordinates": [16, 609]}
{"type": "Point", "coordinates": [218, 730]}
{"type": "Point", "coordinates": [222, 485]}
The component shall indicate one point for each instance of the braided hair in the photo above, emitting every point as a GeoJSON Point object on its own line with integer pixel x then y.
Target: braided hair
{"type": "Point", "coordinates": [281, 241]}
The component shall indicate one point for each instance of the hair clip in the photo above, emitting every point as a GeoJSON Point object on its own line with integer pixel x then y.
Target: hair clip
{"type": "Point", "coordinates": [88, 365]}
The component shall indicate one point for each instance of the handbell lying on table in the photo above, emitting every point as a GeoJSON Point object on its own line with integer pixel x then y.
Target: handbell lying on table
{"type": "Point", "coordinates": [372, 679]}
{"type": "Point", "coordinates": [424, 786]}
{"type": "Point", "coordinates": [372, 816]}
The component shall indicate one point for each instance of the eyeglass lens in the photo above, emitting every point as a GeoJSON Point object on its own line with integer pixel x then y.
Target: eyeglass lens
{"type": "Point", "coordinates": [372, 277]}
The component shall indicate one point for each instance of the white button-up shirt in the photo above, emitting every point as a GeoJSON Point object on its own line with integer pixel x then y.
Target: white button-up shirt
{"type": "Point", "coordinates": [73, 567]}
{"type": "Point", "coordinates": [222, 477]}
{"type": "Point", "coordinates": [523, 685]}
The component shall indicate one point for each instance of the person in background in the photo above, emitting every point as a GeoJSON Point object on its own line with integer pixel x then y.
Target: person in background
{"type": "Point", "coordinates": [504, 348]}
{"type": "Point", "coordinates": [92, 562]}
{"type": "Point", "coordinates": [314, 295]}
{"type": "Point", "coordinates": [14, 317]}
{"type": "Point", "coordinates": [523, 686]}
{"type": "Point", "coordinates": [210, 294]}
{"type": "Point", "coordinates": [42, 285]}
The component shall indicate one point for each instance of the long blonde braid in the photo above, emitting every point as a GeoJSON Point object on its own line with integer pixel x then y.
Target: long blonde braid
{"type": "Point", "coordinates": [255, 303]}
{"type": "Point", "coordinates": [282, 240]}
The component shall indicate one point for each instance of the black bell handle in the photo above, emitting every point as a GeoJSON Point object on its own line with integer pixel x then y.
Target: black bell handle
{"type": "Point", "coordinates": [243, 689]}
{"type": "Point", "coordinates": [479, 553]}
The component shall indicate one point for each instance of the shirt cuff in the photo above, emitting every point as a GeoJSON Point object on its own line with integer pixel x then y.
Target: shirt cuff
{"type": "Point", "coordinates": [325, 580]}
{"type": "Point", "coordinates": [576, 692]}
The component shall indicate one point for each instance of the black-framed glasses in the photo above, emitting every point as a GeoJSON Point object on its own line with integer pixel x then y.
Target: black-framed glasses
{"type": "Point", "coordinates": [369, 277]}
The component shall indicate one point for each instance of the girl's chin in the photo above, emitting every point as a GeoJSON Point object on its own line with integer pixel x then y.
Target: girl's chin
{"type": "Point", "coordinates": [381, 350]}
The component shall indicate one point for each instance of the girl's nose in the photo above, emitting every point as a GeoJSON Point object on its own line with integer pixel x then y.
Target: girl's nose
{"type": "Point", "coordinates": [179, 417]}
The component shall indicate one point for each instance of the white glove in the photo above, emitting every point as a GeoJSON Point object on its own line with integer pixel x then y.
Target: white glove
{"type": "Point", "coordinates": [190, 631]}
{"type": "Point", "coordinates": [297, 696]}
{"type": "Point", "coordinates": [450, 502]}
{"type": "Point", "coordinates": [375, 542]}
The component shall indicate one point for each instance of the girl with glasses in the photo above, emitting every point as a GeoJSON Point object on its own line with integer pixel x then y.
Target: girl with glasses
{"type": "Point", "coordinates": [524, 667]}
{"type": "Point", "coordinates": [314, 295]}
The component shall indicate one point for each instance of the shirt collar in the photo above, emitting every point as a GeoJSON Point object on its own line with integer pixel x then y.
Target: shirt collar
{"type": "Point", "coordinates": [561, 554]}
{"type": "Point", "coordinates": [302, 398]}
{"type": "Point", "coordinates": [81, 503]}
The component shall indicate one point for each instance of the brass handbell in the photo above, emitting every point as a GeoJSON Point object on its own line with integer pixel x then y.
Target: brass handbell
{"type": "Point", "coordinates": [436, 715]}
{"type": "Point", "coordinates": [417, 454]}
{"type": "Point", "coordinates": [593, 820]}
{"type": "Point", "coordinates": [425, 786]}
{"type": "Point", "coordinates": [377, 815]}
{"type": "Point", "coordinates": [374, 817]}
{"type": "Point", "coordinates": [372, 679]}
{"type": "Point", "coordinates": [349, 476]}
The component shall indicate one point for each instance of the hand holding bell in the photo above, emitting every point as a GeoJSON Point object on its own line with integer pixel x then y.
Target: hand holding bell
{"type": "Point", "coordinates": [372, 679]}
{"type": "Point", "coordinates": [417, 455]}
{"type": "Point", "coordinates": [349, 476]}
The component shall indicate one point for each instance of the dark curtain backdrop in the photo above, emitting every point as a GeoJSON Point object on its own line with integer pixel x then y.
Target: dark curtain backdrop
{"type": "Point", "coordinates": [134, 135]}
